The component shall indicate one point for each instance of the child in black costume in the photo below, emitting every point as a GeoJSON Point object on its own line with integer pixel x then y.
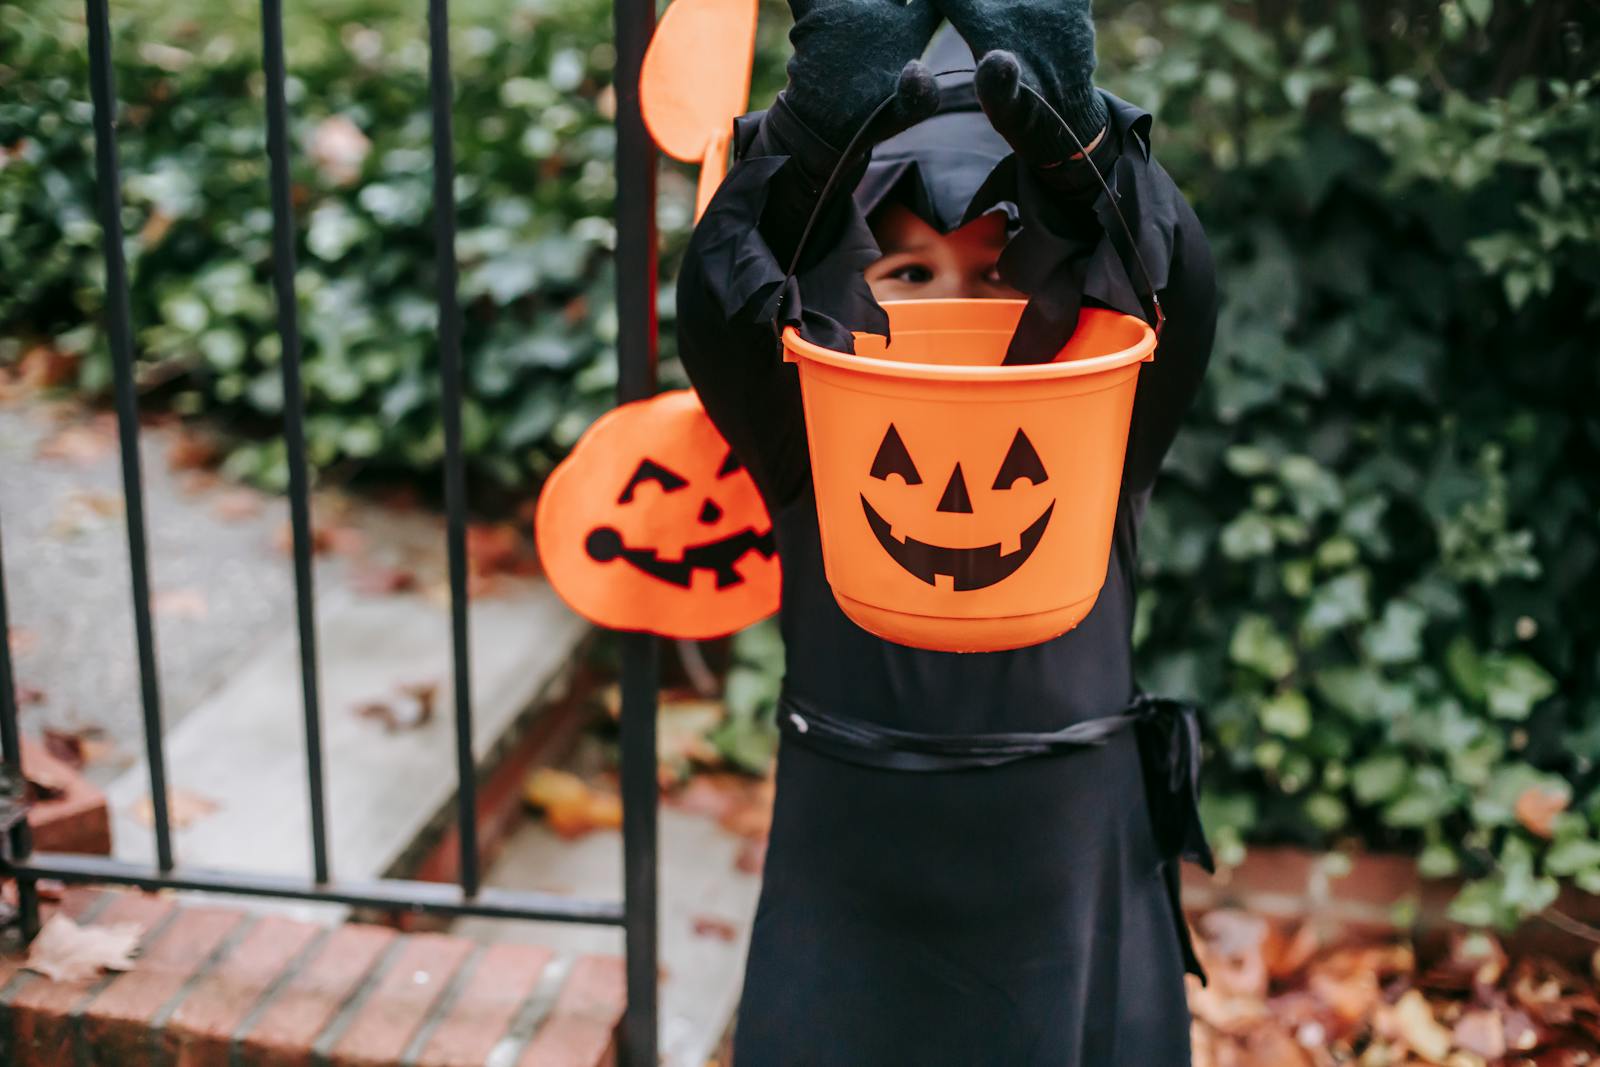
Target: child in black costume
{"type": "Point", "coordinates": [973, 858]}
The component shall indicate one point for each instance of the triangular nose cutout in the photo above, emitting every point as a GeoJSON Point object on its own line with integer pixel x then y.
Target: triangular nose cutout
{"type": "Point", "coordinates": [955, 494]}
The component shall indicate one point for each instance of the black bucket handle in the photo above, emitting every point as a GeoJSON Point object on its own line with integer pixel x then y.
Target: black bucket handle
{"type": "Point", "coordinates": [831, 186]}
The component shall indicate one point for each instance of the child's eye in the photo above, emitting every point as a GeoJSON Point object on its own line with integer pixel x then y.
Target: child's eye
{"type": "Point", "coordinates": [913, 273]}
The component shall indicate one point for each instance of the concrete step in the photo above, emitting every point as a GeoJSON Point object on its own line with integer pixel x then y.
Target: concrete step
{"type": "Point", "coordinates": [236, 763]}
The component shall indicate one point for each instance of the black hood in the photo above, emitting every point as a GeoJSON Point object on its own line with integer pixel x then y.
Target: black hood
{"type": "Point", "coordinates": [937, 166]}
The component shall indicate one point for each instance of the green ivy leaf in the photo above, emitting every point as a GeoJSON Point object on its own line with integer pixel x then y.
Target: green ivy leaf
{"type": "Point", "coordinates": [1287, 714]}
{"type": "Point", "coordinates": [1379, 778]}
{"type": "Point", "coordinates": [1247, 536]}
{"type": "Point", "coordinates": [1258, 645]}
{"type": "Point", "coordinates": [1514, 684]}
{"type": "Point", "coordinates": [1426, 798]}
{"type": "Point", "coordinates": [1567, 858]}
{"type": "Point", "coordinates": [1338, 603]}
{"type": "Point", "coordinates": [1397, 635]}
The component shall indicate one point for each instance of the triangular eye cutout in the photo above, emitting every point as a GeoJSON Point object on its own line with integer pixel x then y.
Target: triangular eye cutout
{"type": "Point", "coordinates": [730, 465]}
{"type": "Point", "coordinates": [892, 458]}
{"type": "Point", "coordinates": [1021, 461]}
{"type": "Point", "coordinates": [651, 471]}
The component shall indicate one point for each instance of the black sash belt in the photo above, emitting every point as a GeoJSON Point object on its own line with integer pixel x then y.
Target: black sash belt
{"type": "Point", "coordinates": [1168, 734]}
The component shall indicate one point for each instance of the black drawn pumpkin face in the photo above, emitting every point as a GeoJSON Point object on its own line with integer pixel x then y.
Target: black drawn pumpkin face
{"type": "Point", "coordinates": [964, 526]}
{"type": "Point", "coordinates": [720, 539]}
{"type": "Point", "coordinates": [652, 524]}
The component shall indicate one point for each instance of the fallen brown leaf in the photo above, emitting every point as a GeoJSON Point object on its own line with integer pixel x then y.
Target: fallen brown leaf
{"type": "Point", "coordinates": [383, 581]}
{"type": "Point", "coordinates": [334, 540]}
{"type": "Point", "coordinates": [22, 641]}
{"type": "Point", "coordinates": [411, 708]}
{"type": "Point", "coordinates": [498, 548]}
{"type": "Point", "coordinates": [184, 808]}
{"type": "Point", "coordinates": [236, 505]}
{"type": "Point", "coordinates": [192, 451]}
{"type": "Point", "coordinates": [571, 806]}
{"type": "Point", "coordinates": [752, 856]}
{"type": "Point", "coordinates": [1537, 808]}
{"type": "Point", "coordinates": [46, 367]}
{"type": "Point", "coordinates": [63, 951]}
{"type": "Point", "coordinates": [81, 511]}
{"type": "Point", "coordinates": [713, 926]}
{"type": "Point", "coordinates": [180, 604]}
{"type": "Point", "coordinates": [1482, 1033]}
{"type": "Point", "coordinates": [198, 481]}
{"type": "Point", "coordinates": [79, 443]}
{"type": "Point", "coordinates": [78, 748]}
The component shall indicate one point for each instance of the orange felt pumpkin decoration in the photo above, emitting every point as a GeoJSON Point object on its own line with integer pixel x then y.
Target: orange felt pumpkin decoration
{"type": "Point", "coordinates": [696, 80]}
{"type": "Point", "coordinates": [652, 524]}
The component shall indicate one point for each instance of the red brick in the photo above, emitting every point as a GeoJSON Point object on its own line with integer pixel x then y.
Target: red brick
{"type": "Point", "coordinates": [581, 1029]}
{"type": "Point", "coordinates": [117, 1022]}
{"type": "Point", "coordinates": [1285, 871]}
{"type": "Point", "coordinates": [402, 1001]}
{"type": "Point", "coordinates": [501, 981]}
{"type": "Point", "coordinates": [302, 1009]}
{"type": "Point", "coordinates": [1378, 879]}
{"type": "Point", "coordinates": [42, 1011]}
{"type": "Point", "coordinates": [200, 1030]}
{"type": "Point", "coordinates": [74, 820]}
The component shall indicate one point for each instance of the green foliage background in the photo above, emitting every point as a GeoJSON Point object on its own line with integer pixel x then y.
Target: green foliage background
{"type": "Point", "coordinates": [1375, 553]}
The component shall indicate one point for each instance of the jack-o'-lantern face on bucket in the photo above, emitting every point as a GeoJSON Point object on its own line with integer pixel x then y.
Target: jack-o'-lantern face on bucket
{"type": "Point", "coordinates": [961, 543]}
{"type": "Point", "coordinates": [652, 524]}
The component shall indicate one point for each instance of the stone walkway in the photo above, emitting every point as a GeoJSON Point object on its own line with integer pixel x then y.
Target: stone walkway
{"type": "Point", "coordinates": [228, 662]}
{"type": "Point", "coordinates": [219, 585]}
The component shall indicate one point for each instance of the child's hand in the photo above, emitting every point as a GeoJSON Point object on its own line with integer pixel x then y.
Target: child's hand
{"type": "Point", "coordinates": [1046, 45]}
{"type": "Point", "coordinates": [851, 54]}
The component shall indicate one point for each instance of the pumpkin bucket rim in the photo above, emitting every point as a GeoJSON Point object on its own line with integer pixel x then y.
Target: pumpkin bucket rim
{"type": "Point", "coordinates": [1142, 350]}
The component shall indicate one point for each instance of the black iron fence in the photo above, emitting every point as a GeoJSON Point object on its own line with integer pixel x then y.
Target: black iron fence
{"type": "Point", "coordinates": [636, 300]}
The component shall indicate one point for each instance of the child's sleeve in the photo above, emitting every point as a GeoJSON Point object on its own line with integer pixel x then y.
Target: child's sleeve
{"type": "Point", "coordinates": [735, 294]}
{"type": "Point", "coordinates": [1168, 384]}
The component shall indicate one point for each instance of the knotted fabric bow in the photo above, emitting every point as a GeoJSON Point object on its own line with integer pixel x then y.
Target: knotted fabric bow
{"type": "Point", "coordinates": [1169, 745]}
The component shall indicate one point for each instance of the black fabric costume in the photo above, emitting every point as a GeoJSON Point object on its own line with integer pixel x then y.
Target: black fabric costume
{"type": "Point", "coordinates": [973, 858]}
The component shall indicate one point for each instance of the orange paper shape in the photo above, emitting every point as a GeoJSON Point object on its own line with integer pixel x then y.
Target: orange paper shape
{"type": "Point", "coordinates": [967, 506]}
{"type": "Point", "coordinates": [652, 524]}
{"type": "Point", "coordinates": [696, 80]}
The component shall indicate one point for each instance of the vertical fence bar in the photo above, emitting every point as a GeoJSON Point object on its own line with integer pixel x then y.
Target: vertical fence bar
{"type": "Point", "coordinates": [11, 754]}
{"type": "Point", "coordinates": [294, 438]}
{"type": "Point", "coordinates": [455, 494]}
{"type": "Point", "coordinates": [636, 358]}
{"type": "Point", "coordinates": [102, 87]}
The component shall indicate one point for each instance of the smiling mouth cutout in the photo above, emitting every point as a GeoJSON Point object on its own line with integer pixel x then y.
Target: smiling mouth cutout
{"type": "Point", "coordinates": [971, 568]}
{"type": "Point", "coordinates": [605, 544]}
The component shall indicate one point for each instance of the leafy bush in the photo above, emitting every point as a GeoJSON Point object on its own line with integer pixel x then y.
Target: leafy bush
{"type": "Point", "coordinates": [534, 151]}
{"type": "Point", "coordinates": [1374, 553]}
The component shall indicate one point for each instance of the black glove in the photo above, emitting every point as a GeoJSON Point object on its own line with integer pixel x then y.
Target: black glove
{"type": "Point", "coordinates": [849, 55]}
{"type": "Point", "coordinates": [1045, 45]}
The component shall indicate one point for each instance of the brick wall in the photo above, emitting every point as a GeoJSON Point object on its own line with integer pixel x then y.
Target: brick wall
{"type": "Point", "coordinates": [222, 987]}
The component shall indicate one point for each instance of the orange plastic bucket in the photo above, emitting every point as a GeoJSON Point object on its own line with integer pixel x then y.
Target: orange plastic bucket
{"type": "Point", "coordinates": [967, 506]}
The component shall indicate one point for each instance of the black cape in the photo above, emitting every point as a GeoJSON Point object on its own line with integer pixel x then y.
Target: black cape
{"type": "Point", "coordinates": [1015, 914]}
